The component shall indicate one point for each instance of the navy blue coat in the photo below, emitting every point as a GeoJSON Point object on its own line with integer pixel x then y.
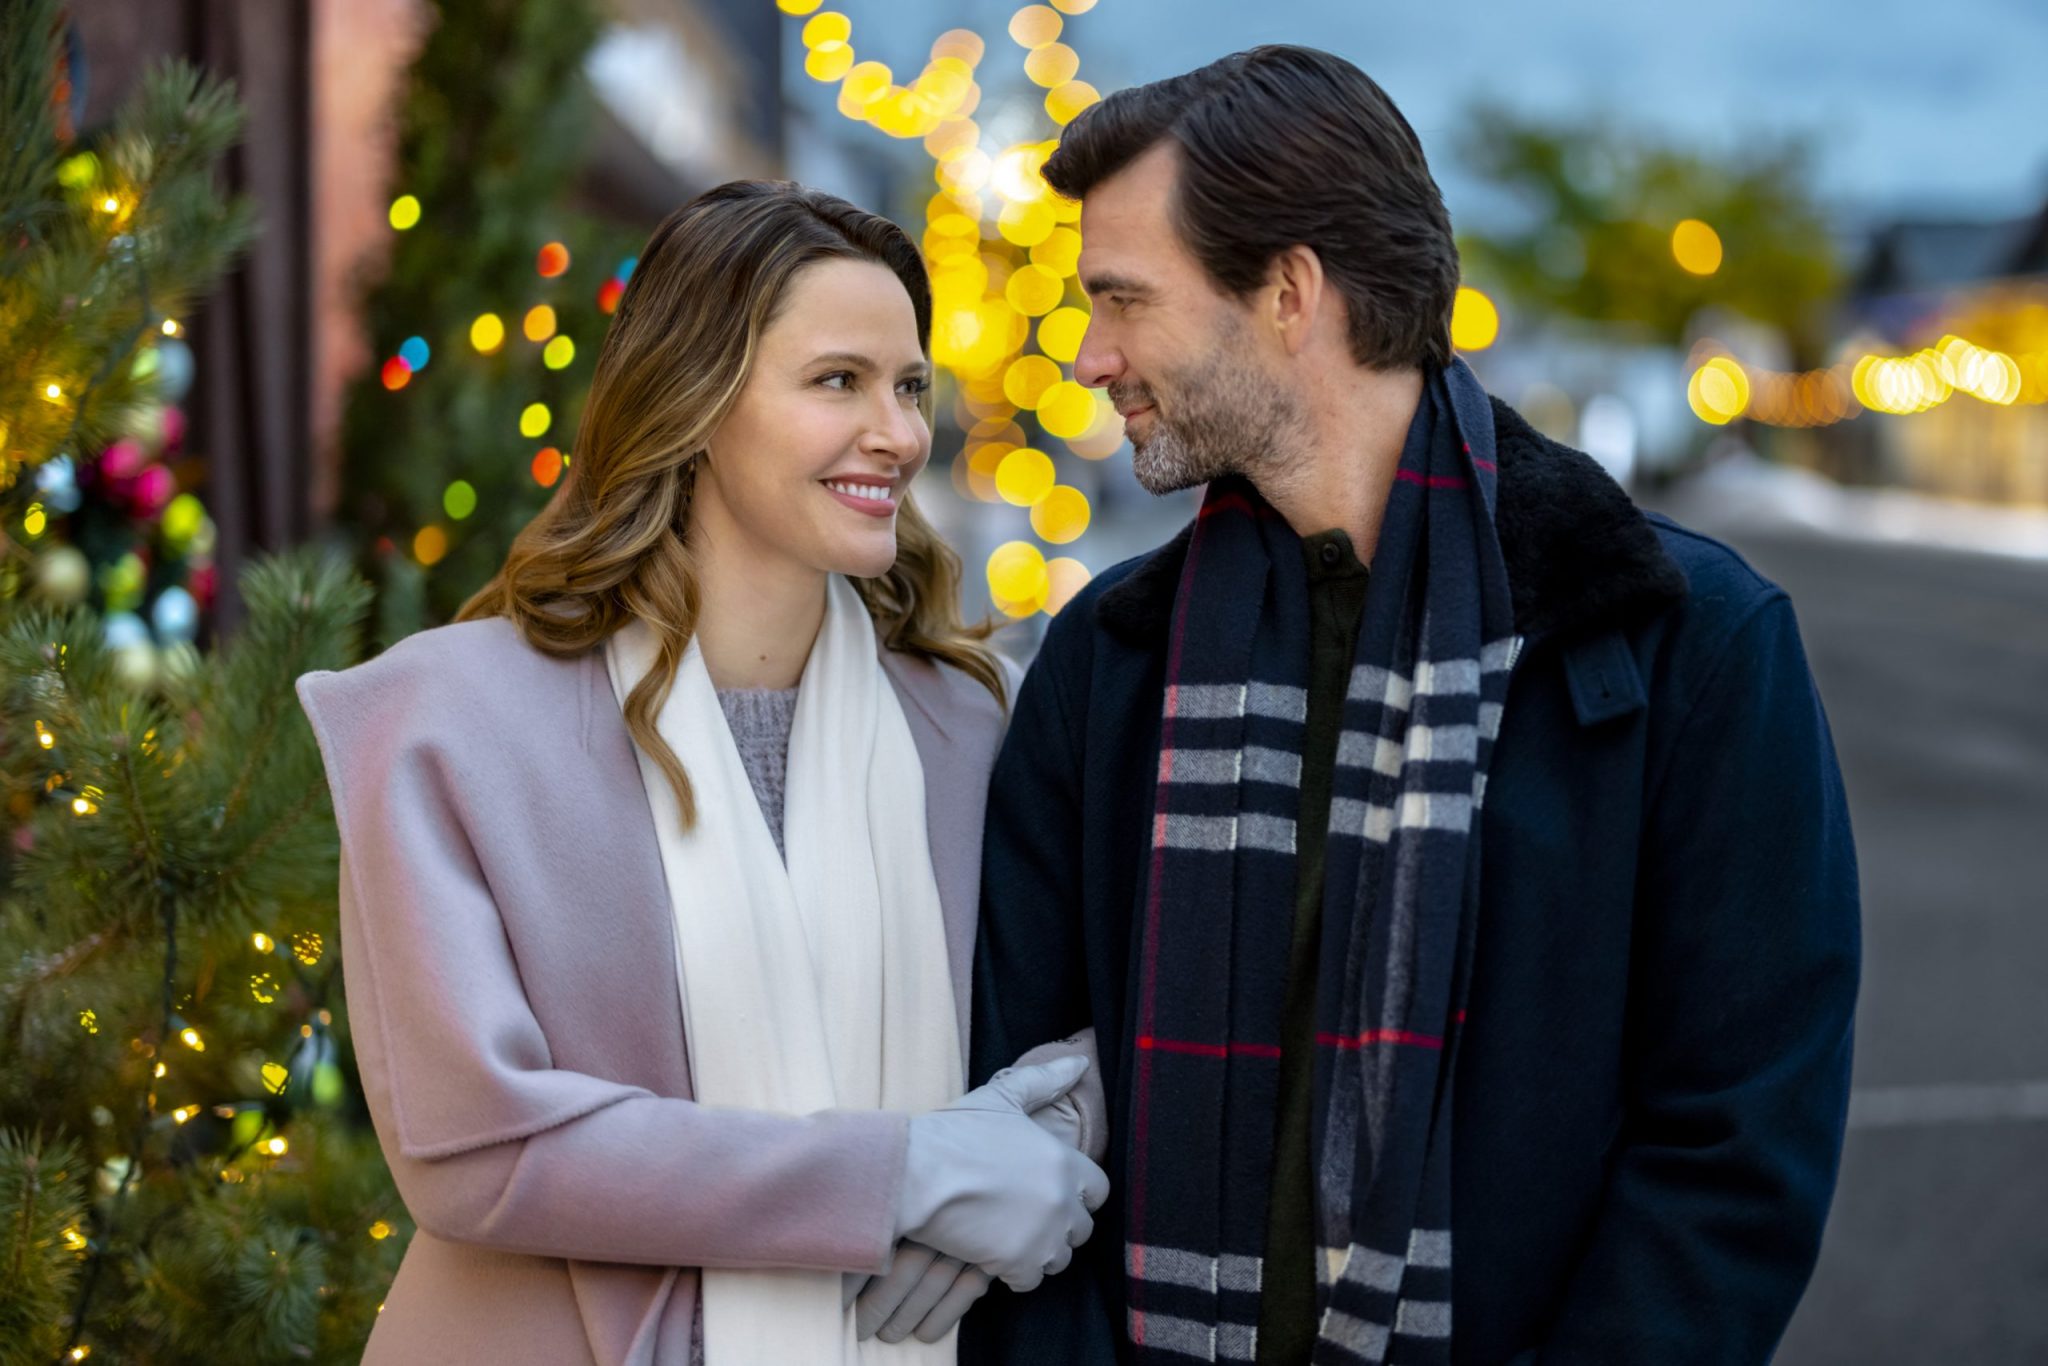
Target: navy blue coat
{"type": "Point", "coordinates": [1652, 1088]}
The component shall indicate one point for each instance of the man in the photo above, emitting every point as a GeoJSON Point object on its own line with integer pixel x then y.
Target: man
{"type": "Point", "coordinates": [1450, 858]}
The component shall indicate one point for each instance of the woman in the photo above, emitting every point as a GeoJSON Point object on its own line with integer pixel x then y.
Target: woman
{"type": "Point", "coordinates": [659, 867]}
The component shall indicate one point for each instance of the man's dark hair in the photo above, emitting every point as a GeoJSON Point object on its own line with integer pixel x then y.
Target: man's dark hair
{"type": "Point", "coordinates": [1283, 146]}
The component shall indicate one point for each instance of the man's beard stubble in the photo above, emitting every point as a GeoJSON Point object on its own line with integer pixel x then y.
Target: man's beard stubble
{"type": "Point", "coordinates": [1227, 418]}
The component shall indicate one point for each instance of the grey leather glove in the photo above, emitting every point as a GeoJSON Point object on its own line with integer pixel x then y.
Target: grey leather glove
{"type": "Point", "coordinates": [923, 1292]}
{"type": "Point", "coordinates": [986, 1185]}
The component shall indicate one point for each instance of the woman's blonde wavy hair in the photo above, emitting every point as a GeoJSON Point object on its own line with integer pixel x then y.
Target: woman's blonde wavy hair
{"type": "Point", "coordinates": [613, 544]}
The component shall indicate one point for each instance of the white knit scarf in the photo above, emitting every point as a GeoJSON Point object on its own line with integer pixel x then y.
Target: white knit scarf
{"type": "Point", "coordinates": [813, 985]}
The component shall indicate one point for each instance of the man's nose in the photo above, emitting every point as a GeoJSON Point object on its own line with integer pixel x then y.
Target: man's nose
{"type": "Point", "coordinates": [1098, 362]}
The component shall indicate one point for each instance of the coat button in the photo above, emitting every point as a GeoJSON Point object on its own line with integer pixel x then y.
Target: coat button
{"type": "Point", "coordinates": [1331, 554]}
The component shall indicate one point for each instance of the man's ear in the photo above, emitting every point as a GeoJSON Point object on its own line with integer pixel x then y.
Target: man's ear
{"type": "Point", "coordinates": [1297, 292]}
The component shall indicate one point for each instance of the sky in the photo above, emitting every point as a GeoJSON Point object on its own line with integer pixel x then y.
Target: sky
{"type": "Point", "coordinates": [1918, 110]}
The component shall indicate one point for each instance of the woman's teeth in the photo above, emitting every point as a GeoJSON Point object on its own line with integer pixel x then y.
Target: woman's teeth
{"type": "Point", "coordinates": [874, 493]}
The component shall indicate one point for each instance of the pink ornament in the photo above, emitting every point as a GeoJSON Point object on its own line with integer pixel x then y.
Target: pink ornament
{"type": "Point", "coordinates": [174, 428]}
{"type": "Point", "coordinates": [204, 580]}
{"type": "Point", "coordinates": [123, 459]}
{"type": "Point", "coordinates": [153, 488]}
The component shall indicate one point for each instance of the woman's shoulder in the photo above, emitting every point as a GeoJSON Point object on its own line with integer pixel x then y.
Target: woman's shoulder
{"type": "Point", "coordinates": [445, 678]}
{"type": "Point", "coordinates": [960, 704]}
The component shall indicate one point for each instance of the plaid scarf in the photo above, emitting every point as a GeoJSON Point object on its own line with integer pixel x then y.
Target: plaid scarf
{"type": "Point", "coordinates": [1400, 898]}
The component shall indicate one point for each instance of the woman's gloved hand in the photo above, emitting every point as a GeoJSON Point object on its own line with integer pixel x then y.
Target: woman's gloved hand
{"type": "Point", "coordinates": [985, 1184]}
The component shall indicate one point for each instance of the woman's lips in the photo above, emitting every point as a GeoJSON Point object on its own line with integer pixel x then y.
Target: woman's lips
{"type": "Point", "coordinates": [873, 507]}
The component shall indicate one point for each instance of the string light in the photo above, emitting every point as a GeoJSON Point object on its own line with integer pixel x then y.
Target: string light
{"type": "Point", "coordinates": [992, 207]}
{"type": "Point", "coordinates": [405, 212]}
{"type": "Point", "coordinates": [1475, 322]}
{"type": "Point", "coordinates": [1696, 247]}
{"type": "Point", "coordinates": [487, 333]}
{"type": "Point", "coordinates": [547, 466]}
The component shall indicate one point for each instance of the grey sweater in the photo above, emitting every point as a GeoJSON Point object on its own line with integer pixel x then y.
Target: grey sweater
{"type": "Point", "coordinates": [760, 721]}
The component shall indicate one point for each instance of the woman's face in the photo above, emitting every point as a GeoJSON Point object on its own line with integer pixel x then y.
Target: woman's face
{"type": "Point", "coordinates": [813, 462]}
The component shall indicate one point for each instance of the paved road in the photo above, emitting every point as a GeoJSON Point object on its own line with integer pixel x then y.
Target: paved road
{"type": "Point", "coordinates": [1934, 670]}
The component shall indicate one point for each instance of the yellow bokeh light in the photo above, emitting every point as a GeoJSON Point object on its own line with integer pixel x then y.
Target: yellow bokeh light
{"type": "Point", "coordinates": [963, 43]}
{"type": "Point", "coordinates": [827, 27]}
{"type": "Point", "coordinates": [1025, 476]}
{"type": "Point", "coordinates": [405, 211]}
{"type": "Point", "coordinates": [1015, 175]}
{"type": "Point", "coordinates": [1065, 102]}
{"type": "Point", "coordinates": [1066, 410]}
{"type": "Point", "coordinates": [1065, 577]}
{"type": "Point", "coordinates": [1059, 253]}
{"type": "Point", "coordinates": [559, 353]}
{"type": "Point", "coordinates": [1034, 291]}
{"type": "Point", "coordinates": [828, 61]}
{"type": "Point", "coordinates": [1696, 247]}
{"type": "Point", "coordinates": [867, 82]}
{"type": "Point", "coordinates": [964, 173]}
{"type": "Point", "coordinates": [945, 83]}
{"type": "Point", "coordinates": [1475, 322]}
{"type": "Point", "coordinates": [429, 545]}
{"type": "Point", "coordinates": [540, 323]}
{"type": "Point", "coordinates": [797, 7]}
{"type": "Point", "coordinates": [1052, 65]}
{"type": "Point", "coordinates": [1073, 6]}
{"type": "Point", "coordinates": [1718, 391]}
{"type": "Point", "coordinates": [1060, 334]}
{"type": "Point", "coordinates": [276, 1147]}
{"type": "Point", "coordinates": [263, 943]}
{"type": "Point", "coordinates": [534, 420]}
{"type": "Point", "coordinates": [487, 333]}
{"type": "Point", "coordinates": [1035, 25]}
{"type": "Point", "coordinates": [954, 137]}
{"type": "Point", "coordinates": [1061, 516]}
{"type": "Point", "coordinates": [1027, 379]}
{"type": "Point", "coordinates": [1105, 435]}
{"type": "Point", "coordinates": [1017, 576]}
{"type": "Point", "coordinates": [1027, 223]}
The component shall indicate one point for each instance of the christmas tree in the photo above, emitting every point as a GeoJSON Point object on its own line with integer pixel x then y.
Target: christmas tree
{"type": "Point", "coordinates": [186, 1169]}
{"type": "Point", "coordinates": [488, 318]}
{"type": "Point", "coordinates": [109, 236]}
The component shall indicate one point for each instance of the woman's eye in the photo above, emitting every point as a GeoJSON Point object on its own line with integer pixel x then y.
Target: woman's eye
{"type": "Point", "coordinates": [915, 388]}
{"type": "Point", "coordinates": [831, 381]}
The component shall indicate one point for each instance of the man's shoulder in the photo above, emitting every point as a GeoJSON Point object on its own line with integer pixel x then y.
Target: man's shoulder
{"type": "Point", "coordinates": [1126, 603]}
{"type": "Point", "coordinates": [1723, 589]}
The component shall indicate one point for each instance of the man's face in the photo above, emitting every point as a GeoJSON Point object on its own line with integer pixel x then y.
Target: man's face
{"type": "Point", "coordinates": [1182, 361]}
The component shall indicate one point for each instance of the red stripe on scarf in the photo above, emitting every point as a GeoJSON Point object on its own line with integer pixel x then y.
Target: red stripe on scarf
{"type": "Point", "coordinates": [1210, 1050]}
{"type": "Point", "coordinates": [1372, 1037]}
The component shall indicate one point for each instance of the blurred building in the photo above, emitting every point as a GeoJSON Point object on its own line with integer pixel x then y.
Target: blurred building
{"type": "Point", "coordinates": [1966, 305]}
{"type": "Point", "coordinates": [687, 92]}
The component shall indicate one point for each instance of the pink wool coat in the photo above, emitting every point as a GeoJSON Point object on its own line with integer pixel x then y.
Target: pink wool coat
{"type": "Point", "coordinates": [510, 969]}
